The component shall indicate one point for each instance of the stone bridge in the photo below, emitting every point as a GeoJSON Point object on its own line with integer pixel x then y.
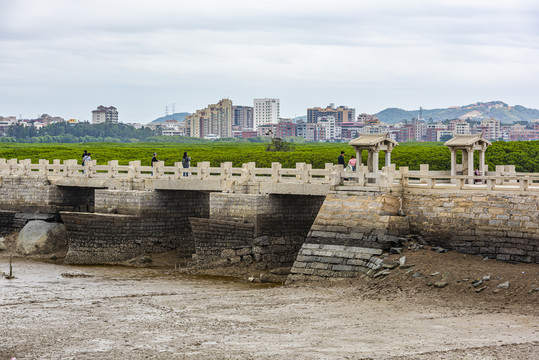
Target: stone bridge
{"type": "Point", "coordinates": [327, 222]}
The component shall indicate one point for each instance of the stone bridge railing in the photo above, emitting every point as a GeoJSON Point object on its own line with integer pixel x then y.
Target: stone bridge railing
{"type": "Point", "coordinates": [504, 178]}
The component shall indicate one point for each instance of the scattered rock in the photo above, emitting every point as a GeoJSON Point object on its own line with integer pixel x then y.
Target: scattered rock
{"type": "Point", "coordinates": [416, 275]}
{"type": "Point", "coordinates": [478, 290]}
{"type": "Point", "coordinates": [504, 285]}
{"type": "Point", "coordinates": [263, 278]}
{"type": "Point", "coordinates": [438, 249]}
{"type": "Point", "coordinates": [477, 283]}
{"type": "Point", "coordinates": [390, 264]}
{"type": "Point", "coordinates": [381, 273]}
{"type": "Point", "coordinates": [533, 290]}
{"type": "Point", "coordinates": [440, 284]}
{"type": "Point", "coordinates": [407, 266]}
{"type": "Point", "coordinates": [2, 243]}
{"type": "Point", "coordinates": [402, 261]}
{"type": "Point", "coordinates": [495, 291]}
{"type": "Point", "coordinates": [76, 274]}
{"type": "Point", "coordinates": [435, 273]}
{"type": "Point", "coordinates": [251, 278]}
{"type": "Point", "coordinates": [430, 283]}
{"type": "Point", "coordinates": [395, 250]}
{"type": "Point", "coordinates": [485, 258]}
{"type": "Point", "coordinates": [486, 278]}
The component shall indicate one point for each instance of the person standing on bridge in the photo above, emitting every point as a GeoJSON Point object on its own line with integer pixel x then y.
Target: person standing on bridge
{"type": "Point", "coordinates": [186, 161]}
{"type": "Point", "coordinates": [340, 159]}
{"type": "Point", "coordinates": [84, 154]}
{"type": "Point", "coordinates": [154, 158]}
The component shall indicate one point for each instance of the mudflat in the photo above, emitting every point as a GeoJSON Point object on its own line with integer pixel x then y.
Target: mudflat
{"type": "Point", "coordinates": [111, 312]}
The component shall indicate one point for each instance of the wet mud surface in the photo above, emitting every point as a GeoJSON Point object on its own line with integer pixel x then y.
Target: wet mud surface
{"type": "Point", "coordinates": [137, 313]}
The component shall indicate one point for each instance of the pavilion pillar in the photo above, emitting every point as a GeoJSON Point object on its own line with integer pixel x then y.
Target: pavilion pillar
{"type": "Point", "coordinates": [370, 161]}
{"type": "Point", "coordinates": [388, 158]}
{"type": "Point", "coordinates": [375, 161]}
{"type": "Point", "coordinates": [470, 165]}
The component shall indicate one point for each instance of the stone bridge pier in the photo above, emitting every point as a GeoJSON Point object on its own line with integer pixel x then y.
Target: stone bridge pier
{"type": "Point", "coordinates": [129, 223]}
{"type": "Point", "coordinates": [264, 229]}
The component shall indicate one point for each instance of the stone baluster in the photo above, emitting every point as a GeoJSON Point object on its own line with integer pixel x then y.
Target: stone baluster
{"type": "Point", "coordinates": [26, 167]}
{"type": "Point", "coordinates": [460, 183]}
{"type": "Point", "coordinates": [524, 183]}
{"type": "Point", "coordinates": [203, 170]}
{"type": "Point", "coordinates": [134, 169]}
{"type": "Point", "coordinates": [13, 167]}
{"type": "Point", "coordinates": [337, 175]}
{"type": "Point", "coordinates": [251, 174]}
{"type": "Point", "coordinates": [423, 173]}
{"type": "Point", "coordinates": [225, 171]}
{"type": "Point", "coordinates": [328, 167]}
{"type": "Point", "coordinates": [275, 172]}
{"type": "Point", "coordinates": [4, 167]}
{"type": "Point", "coordinates": [490, 184]}
{"type": "Point", "coordinates": [113, 168]}
{"type": "Point", "coordinates": [299, 170]}
{"type": "Point", "coordinates": [307, 178]}
{"type": "Point", "coordinates": [56, 166]}
{"type": "Point", "coordinates": [43, 167]}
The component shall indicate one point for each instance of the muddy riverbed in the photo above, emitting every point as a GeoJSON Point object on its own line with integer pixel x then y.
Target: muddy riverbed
{"type": "Point", "coordinates": [137, 313]}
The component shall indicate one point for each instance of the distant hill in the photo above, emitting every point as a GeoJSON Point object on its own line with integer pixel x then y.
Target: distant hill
{"type": "Point", "coordinates": [478, 111]}
{"type": "Point", "coordinates": [298, 118]}
{"type": "Point", "coordinates": [176, 116]}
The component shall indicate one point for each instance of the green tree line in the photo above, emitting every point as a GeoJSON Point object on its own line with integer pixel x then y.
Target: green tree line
{"type": "Point", "coordinates": [524, 155]}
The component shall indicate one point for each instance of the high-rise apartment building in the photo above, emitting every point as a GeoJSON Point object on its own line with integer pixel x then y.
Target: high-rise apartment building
{"type": "Point", "coordinates": [105, 114]}
{"type": "Point", "coordinates": [242, 116]}
{"type": "Point", "coordinates": [213, 121]}
{"type": "Point", "coordinates": [265, 111]}
{"type": "Point", "coordinates": [341, 113]}
{"type": "Point", "coordinates": [492, 129]}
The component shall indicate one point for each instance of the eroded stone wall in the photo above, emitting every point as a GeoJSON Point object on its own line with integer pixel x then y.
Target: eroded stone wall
{"type": "Point", "coordinates": [501, 225]}
{"type": "Point", "coordinates": [359, 219]}
{"type": "Point", "coordinates": [264, 229]}
{"type": "Point", "coordinates": [111, 238]}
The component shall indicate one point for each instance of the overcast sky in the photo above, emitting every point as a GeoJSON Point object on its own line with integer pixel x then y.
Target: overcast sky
{"type": "Point", "coordinates": [66, 57]}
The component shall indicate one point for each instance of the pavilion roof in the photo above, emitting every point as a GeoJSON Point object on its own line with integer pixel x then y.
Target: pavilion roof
{"type": "Point", "coordinates": [372, 140]}
{"type": "Point", "coordinates": [467, 140]}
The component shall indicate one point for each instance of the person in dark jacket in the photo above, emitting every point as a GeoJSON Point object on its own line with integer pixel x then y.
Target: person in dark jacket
{"type": "Point", "coordinates": [340, 160]}
{"type": "Point", "coordinates": [186, 161]}
{"type": "Point", "coordinates": [154, 159]}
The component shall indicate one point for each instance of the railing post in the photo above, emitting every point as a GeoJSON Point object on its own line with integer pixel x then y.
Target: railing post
{"type": "Point", "coordinates": [13, 167]}
{"type": "Point", "coordinates": [133, 171]}
{"type": "Point", "coordinates": [43, 167]}
{"type": "Point", "coordinates": [275, 172]}
{"type": "Point", "coordinates": [490, 184]}
{"type": "Point", "coordinates": [299, 170]}
{"type": "Point", "coordinates": [225, 169]}
{"type": "Point", "coordinates": [423, 173]}
{"type": "Point", "coordinates": [337, 174]}
{"type": "Point", "coordinates": [524, 183]}
{"type": "Point", "coordinates": [203, 170]}
{"type": "Point", "coordinates": [307, 179]}
{"type": "Point", "coordinates": [460, 183]}
{"type": "Point", "coordinates": [26, 170]}
{"type": "Point", "coordinates": [113, 168]}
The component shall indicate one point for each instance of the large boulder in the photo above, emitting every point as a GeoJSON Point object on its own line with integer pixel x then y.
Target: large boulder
{"type": "Point", "coordinates": [40, 237]}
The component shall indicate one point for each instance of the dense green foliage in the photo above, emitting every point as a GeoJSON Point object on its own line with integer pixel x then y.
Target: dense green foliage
{"type": "Point", "coordinates": [525, 155]}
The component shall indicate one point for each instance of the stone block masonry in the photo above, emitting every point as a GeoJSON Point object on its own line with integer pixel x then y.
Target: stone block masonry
{"type": "Point", "coordinates": [322, 261]}
{"type": "Point", "coordinates": [267, 230]}
{"type": "Point", "coordinates": [364, 220]}
{"type": "Point", "coordinates": [504, 226]}
{"type": "Point", "coordinates": [111, 238]}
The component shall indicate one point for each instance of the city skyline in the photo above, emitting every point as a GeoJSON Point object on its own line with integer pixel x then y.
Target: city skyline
{"type": "Point", "coordinates": [65, 58]}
